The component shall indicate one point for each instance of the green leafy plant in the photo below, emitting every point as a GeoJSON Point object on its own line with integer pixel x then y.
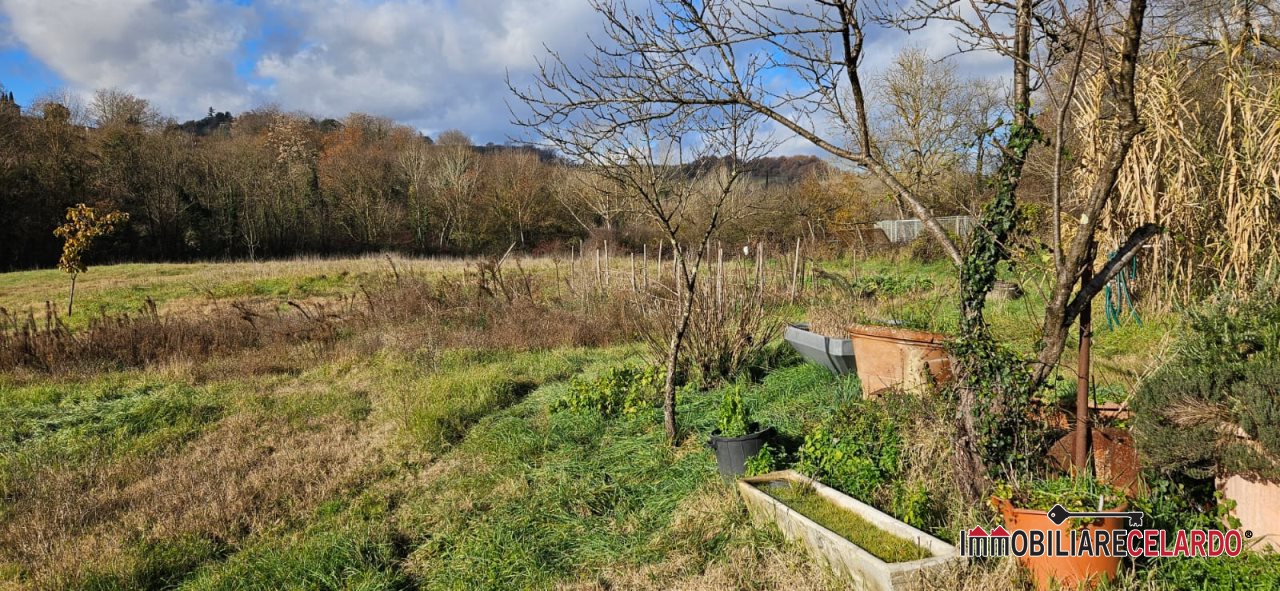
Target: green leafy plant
{"type": "Point", "coordinates": [1073, 493]}
{"type": "Point", "coordinates": [619, 390]}
{"type": "Point", "coordinates": [856, 450]}
{"type": "Point", "coordinates": [914, 505]}
{"type": "Point", "coordinates": [764, 462]}
{"type": "Point", "coordinates": [998, 381]}
{"type": "Point", "coordinates": [870, 286]}
{"type": "Point", "coordinates": [733, 419]}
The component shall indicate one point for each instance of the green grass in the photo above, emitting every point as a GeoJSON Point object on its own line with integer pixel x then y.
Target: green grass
{"type": "Point", "coordinates": [325, 556]}
{"type": "Point", "coordinates": [528, 498]}
{"type": "Point", "coordinates": [851, 526]}
{"type": "Point", "coordinates": [67, 422]}
{"type": "Point", "coordinates": [480, 485]}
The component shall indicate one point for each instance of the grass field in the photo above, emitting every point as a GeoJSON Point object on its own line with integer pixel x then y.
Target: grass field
{"type": "Point", "coordinates": [403, 448]}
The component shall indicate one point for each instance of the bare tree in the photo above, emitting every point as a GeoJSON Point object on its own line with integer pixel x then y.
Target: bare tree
{"type": "Point", "coordinates": [113, 106]}
{"type": "Point", "coordinates": [674, 54]}
{"type": "Point", "coordinates": [639, 151]}
{"type": "Point", "coordinates": [583, 193]}
{"type": "Point", "coordinates": [453, 181]}
{"type": "Point", "coordinates": [415, 167]}
{"type": "Point", "coordinates": [930, 121]}
{"type": "Point", "coordinates": [517, 185]}
{"type": "Point", "coordinates": [1077, 282]}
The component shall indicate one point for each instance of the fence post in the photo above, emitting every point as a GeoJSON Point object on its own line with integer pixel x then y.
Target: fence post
{"type": "Point", "coordinates": [644, 251]}
{"type": "Point", "coordinates": [719, 276]}
{"type": "Point", "coordinates": [795, 271]}
{"type": "Point", "coordinates": [759, 266]}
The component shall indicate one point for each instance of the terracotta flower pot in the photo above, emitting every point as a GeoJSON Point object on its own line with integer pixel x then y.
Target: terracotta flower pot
{"type": "Point", "coordinates": [890, 357]}
{"type": "Point", "coordinates": [1257, 508]}
{"type": "Point", "coordinates": [1066, 572]}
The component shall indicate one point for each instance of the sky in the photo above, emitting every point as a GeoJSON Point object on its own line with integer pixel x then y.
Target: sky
{"type": "Point", "coordinates": [431, 64]}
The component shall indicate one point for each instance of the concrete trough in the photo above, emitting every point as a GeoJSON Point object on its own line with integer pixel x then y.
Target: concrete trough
{"type": "Point", "coordinates": [835, 354]}
{"type": "Point", "coordinates": [847, 559]}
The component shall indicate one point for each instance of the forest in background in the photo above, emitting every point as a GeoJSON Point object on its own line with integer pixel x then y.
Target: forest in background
{"type": "Point", "coordinates": [267, 183]}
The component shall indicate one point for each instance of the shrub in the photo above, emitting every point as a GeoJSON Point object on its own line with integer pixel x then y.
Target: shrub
{"type": "Point", "coordinates": [870, 286]}
{"type": "Point", "coordinates": [1074, 494]}
{"type": "Point", "coordinates": [619, 390]}
{"type": "Point", "coordinates": [733, 420]}
{"type": "Point", "coordinates": [1215, 409]}
{"type": "Point", "coordinates": [856, 450]}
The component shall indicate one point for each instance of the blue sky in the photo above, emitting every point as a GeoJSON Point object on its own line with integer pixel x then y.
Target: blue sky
{"type": "Point", "coordinates": [432, 64]}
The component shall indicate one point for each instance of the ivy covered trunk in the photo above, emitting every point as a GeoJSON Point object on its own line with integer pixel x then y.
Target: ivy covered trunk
{"type": "Point", "coordinates": [994, 385]}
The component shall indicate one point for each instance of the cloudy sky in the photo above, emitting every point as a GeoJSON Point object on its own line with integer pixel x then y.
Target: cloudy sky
{"type": "Point", "coordinates": [432, 64]}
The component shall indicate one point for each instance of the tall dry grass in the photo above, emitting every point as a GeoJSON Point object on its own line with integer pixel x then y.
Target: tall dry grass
{"type": "Point", "coordinates": [487, 307]}
{"type": "Point", "coordinates": [1206, 168]}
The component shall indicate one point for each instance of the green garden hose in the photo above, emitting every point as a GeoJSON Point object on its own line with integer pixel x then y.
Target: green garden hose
{"type": "Point", "coordinates": [1117, 295]}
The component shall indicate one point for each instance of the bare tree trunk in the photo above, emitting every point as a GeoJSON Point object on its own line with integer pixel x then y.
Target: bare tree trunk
{"type": "Point", "coordinates": [71, 300]}
{"type": "Point", "coordinates": [673, 356]}
{"type": "Point", "coordinates": [1081, 458]}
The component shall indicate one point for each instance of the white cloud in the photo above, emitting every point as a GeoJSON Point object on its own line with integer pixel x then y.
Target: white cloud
{"type": "Point", "coordinates": [178, 53]}
{"type": "Point", "coordinates": [433, 64]}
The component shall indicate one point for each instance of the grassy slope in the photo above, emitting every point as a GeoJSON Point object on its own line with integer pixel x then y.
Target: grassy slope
{"type": "Point", "coordinates": [523, 499]}
{"type": "Point", "coordinates": [392, 469]}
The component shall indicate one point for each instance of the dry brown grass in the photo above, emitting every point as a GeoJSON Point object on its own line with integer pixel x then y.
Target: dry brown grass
{"type": "Point", "coordinates": [493, 309]}
{"type": "Point", "coordinates": [754, 559]}
{"type": "Point", "coordinates": [1205, 167]}
{"type": "Point", "coordinates": [249, 474]}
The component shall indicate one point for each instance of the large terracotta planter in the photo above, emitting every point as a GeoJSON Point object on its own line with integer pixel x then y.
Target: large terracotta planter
{"type": "Point", "coordinates": [898, 357]}
{"type": "Point", "coordinates": [1065, 572]}
{"type": "Point", "coordinates": [1257, 508]}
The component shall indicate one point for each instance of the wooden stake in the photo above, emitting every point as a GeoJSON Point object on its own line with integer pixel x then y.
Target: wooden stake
{"type": "Point", "coordinates": [644, 252]}
{"type": "Point", "coordinates": [720, 277]}
{"type": "Point", "coordinates": [659, 263]}
{"type": "Point", "coordinates": [795, 271]}
{"type": "Point", "coordinates": [759, 264]}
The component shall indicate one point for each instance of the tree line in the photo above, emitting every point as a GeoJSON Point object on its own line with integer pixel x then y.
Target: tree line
{"type": "Point", "coordinates": [270, 183]}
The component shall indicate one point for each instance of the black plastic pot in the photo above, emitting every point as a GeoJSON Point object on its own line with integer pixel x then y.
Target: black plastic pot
{"type": "Point", "coordinates": [732, 453]}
